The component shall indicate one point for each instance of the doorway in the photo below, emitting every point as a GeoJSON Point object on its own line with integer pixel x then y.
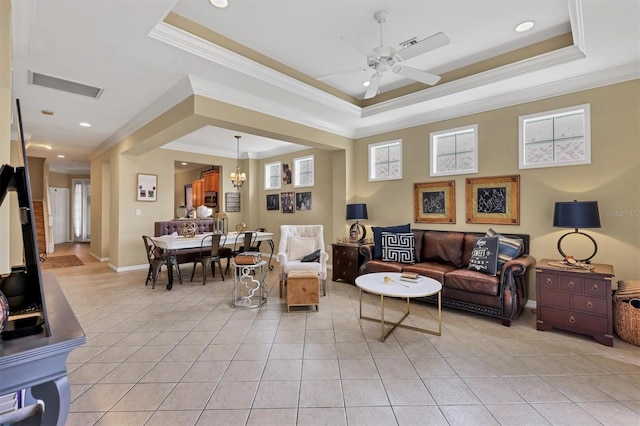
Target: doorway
{"type": "Point", "coordinates": [59, 200]}
{"type": "Point", "coordinates": [80, 214]}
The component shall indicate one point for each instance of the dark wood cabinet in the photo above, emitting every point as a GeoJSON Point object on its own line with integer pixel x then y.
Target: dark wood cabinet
{"type": "Point", "coordinates": [346, 262]}
{"type": "Point", "coordinates": [575, 300]}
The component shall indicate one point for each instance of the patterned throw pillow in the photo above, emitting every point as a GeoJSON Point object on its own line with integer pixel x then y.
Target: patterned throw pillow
{"type": "Point", "coordinates": [484, 256]}
{"type": "Point", "coordinates": [377, 236]}
{"type": "Point", "coordinates": [508, 249]}
{"type": "Point", "coordinates": [398, 247]}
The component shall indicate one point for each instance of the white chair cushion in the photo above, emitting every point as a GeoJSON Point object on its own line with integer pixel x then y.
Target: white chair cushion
{"type": "Point", "coordinates": [296, 265]}
{"type": "Point", "coordinates": [299, 247]}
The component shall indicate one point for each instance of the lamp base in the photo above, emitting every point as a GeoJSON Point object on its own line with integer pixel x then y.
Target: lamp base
{"type": "Point", "coordinates": [358, 232]}
{"type": "Point", "coordinates": [588, 259]}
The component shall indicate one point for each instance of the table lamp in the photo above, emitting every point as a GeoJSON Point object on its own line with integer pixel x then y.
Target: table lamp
{"type": "Point", "coordinates": [577, 214]}
{"type": "Point", "coordinates": [357, 212]}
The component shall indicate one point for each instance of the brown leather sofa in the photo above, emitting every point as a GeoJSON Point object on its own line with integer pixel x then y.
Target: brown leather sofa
{"type": "Point", "coordinates": [168, 227]}
{"type": "Point", "coordinates": [444, 256]}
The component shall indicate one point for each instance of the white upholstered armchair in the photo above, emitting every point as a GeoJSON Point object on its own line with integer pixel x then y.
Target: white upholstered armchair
{"type": "Point", "coordinates": [297, 241]}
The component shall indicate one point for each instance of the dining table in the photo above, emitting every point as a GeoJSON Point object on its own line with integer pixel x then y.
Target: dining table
{"type": "Point", "coordinates": [174, 243]}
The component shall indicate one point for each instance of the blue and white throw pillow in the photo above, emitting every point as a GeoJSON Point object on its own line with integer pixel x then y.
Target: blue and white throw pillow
{"type": "Point", "coordinates": [508, 248]}
{"type": "Point", "coordinates": [398, 247]}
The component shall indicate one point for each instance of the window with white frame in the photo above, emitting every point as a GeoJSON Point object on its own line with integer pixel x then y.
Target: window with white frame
{"type": "Point", "coordinates": [272, 175]}
{"type": "Point", "coordinates": [555, 138]}
{"type": "Point", "coordinates": [385, 160]}
{"type": "Point", "coordinates": [303, 171]}
{"type": "Point", "coordinates": [454, 151]}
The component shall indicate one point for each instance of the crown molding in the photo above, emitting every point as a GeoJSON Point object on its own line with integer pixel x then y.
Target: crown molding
{"type": "Point", "coordinates": [593, 80]}
{"type": "Point", "coordinates": [194, 45]}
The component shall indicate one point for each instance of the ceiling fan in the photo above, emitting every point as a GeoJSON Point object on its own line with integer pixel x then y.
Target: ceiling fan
{"type": "Point", "coordinates": [386, 58]}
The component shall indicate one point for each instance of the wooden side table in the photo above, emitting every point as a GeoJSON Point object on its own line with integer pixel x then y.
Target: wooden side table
{"type": "Point", "coordinates": [346, 262]}
{"type": "Point", "coordinates": [575, 300]}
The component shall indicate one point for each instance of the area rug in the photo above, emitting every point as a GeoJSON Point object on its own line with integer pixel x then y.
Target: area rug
{"type": "Point", "coordinates": [54, 262]}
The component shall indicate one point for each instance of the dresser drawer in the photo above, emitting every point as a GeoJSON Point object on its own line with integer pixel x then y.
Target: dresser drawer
{"type": "Point", "coordinates": [590, 304]}
{"type": "Point", "coordinates": [555, 298]}
{"type": "Point", "coordinates": [595, 287]}
{"type": "Point", "coordinates": [571, 284]}
{"type": "Point", "coordinates": [548, 281]}
{"type": "Point", "coordinates": [573, 320]}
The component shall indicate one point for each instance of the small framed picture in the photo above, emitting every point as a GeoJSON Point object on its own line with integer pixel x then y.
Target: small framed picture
{"type": "Point", "coordinates": [287, 199]}
{"type": "Point", "coordinates": [434, 202]}
{"type": "Point", "coordinates": [147, 187]}
{"type": "Point", "coordinates": [273, 203]}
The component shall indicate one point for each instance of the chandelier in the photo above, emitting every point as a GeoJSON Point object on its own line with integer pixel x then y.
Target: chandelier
{"type": "Point", "coordinates": [238, 178]}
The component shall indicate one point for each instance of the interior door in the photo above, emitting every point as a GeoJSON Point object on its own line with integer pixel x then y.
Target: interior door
{"type": "Point", "coordinates": [59, 199]}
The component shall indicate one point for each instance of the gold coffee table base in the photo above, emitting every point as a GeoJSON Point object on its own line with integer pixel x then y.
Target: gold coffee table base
{"type": "Point", "coordinates": [383, 335]}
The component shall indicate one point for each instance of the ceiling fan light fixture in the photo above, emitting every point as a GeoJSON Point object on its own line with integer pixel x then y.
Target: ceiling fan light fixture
{"type": "Point", "coordinates": [366, 83]}
{"type": "Point", "coordinates": [219, 3]}
{"type": "Point", "coordinates": [524, 26]}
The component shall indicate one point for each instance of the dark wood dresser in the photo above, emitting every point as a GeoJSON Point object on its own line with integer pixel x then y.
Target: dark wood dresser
{"type": "Point", "coordinates": [575, 300]}
{"type": "Point", "coordinates": [346, 262]}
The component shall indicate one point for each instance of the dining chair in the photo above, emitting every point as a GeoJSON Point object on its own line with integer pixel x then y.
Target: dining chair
{"type": "Point", "coordinates": [256, 246]}
{"type": "Point", "coordinates": [249, 241]}
{"type": "Point", "coordinates": [156, 258]}
{"type": "Point", "coordinates": [209, 255]}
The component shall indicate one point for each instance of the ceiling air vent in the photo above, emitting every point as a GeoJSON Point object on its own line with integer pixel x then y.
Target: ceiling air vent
{"type": "Point", "coordinates": [64, 85]}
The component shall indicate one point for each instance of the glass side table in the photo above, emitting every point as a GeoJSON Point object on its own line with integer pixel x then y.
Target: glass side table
{"type": "Point", "coordinates": [248, 285]}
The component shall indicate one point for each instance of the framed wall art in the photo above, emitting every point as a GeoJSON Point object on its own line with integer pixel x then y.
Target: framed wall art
{"type": "Point", "coordinates": [303, 200]}
{"type": "Point", "coordinates": [287, 200]}
{"type": "Point", "coordinates": [494, 200]}
{"type": "Point", "coordinates": [434, 202]}
{"type": "Point", "coordinates": [273, 202]}
{"type": "Point", "coordinates": [232, 201]}
{"type": "Point", "coordinates": [147, 187]}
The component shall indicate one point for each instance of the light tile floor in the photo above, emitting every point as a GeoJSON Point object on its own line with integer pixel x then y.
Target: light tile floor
{"type": "Point", "coordinates": [186, 357]}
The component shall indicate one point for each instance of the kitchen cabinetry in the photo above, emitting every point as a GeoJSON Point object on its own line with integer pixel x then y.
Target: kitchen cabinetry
{"type": "Point", "coordinates": [575, 300]}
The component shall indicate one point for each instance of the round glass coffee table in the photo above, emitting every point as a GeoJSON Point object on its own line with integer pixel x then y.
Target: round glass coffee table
{"type": "Point", "coordinates": [389, 284]}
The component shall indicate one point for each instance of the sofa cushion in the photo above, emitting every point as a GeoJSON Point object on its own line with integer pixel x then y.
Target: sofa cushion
{"type": "Point", "coordinates": [509, 248]}
{"type": "Point", "coordinates": [472, 281]}
{"type": "Point", "coordinates": [443, 247]}
{"type": "Point", "coordinates": [398, 247]}
{"type": "Point", "coordinates": [484, 257]}
{"type": "Point", "coordinates": [379, 265]}
{"type": "Point", "coordinates": [433, 270]}
{"type": "Point", "coordinates": [377, 236]}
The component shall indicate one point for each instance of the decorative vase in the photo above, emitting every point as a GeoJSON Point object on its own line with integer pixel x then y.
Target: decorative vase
{"type": "Point", "coordinates": [202, 212]}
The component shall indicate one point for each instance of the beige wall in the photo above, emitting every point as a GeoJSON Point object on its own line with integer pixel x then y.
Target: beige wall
{"type": "Point", "coordinates": [612, 178]}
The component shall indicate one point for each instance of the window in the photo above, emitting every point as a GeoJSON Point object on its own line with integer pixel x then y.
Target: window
{"type": "Point", "coordinates": [555, 138]}
{"type": "Point", "coordinates": [454, 151]}
{"type": "Point", "coordinates": [272, 175]}
{"type": "Point", "coordinates": [385, 160]}
{"type": "Point", "coordinates": [303, 171]}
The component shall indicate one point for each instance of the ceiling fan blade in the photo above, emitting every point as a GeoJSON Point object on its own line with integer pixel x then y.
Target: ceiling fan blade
{"type": "Point", "coordinates": [424, 46]}
{"type": "Point", "coordinates": [374, 84]}
{"type": "Point", "coordinates": [337, 73]}
{"type": "Point", "coordinates": [416, 74]}
{"type": "Point", "coordinates": [359, 46]}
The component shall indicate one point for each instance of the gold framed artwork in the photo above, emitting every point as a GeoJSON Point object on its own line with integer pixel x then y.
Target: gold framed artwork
{"type": "Point", "coordinates": [493, 200]}
{"type": "Point", "coordinates": [147, 187]}
{"type": "Point", "coordinates": [434, 202]}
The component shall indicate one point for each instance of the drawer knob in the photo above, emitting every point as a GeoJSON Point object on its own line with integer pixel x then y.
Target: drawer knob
{"type": "Point", "coordinates": [589, 304]}
{"type": "Point", "coordinates": [594, 287]}
{"type": "Point", "coordinates": [570, 284]}
{"type": "Point", "coordinates": [549, 281]}
{"type": "Point", "coordinates": [572, 319]}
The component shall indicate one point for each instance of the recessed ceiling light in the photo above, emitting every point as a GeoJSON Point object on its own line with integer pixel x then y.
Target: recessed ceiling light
{"type": "Point", "coordinates": [524, 26]}
{"type": "Point", "coordinates": [184, 164]}
{"type": "Point", "coordinates": [219, 3]}
{"type": "Point", "coordinates": [85, 124]}
{"type": "Point", "coordinates": [366, 83]}
{"type": "Point", "coordinates": [60, 156]}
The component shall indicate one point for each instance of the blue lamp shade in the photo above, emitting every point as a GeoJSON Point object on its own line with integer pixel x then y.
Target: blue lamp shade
{"type": "Point", "coordinates": [576, 214]}
{"type": "Point", "coordinates": [357, 211]}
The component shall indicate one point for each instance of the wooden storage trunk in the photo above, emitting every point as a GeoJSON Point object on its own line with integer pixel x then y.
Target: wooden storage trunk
{"type": "Point", "coordinates": [303, 289]}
